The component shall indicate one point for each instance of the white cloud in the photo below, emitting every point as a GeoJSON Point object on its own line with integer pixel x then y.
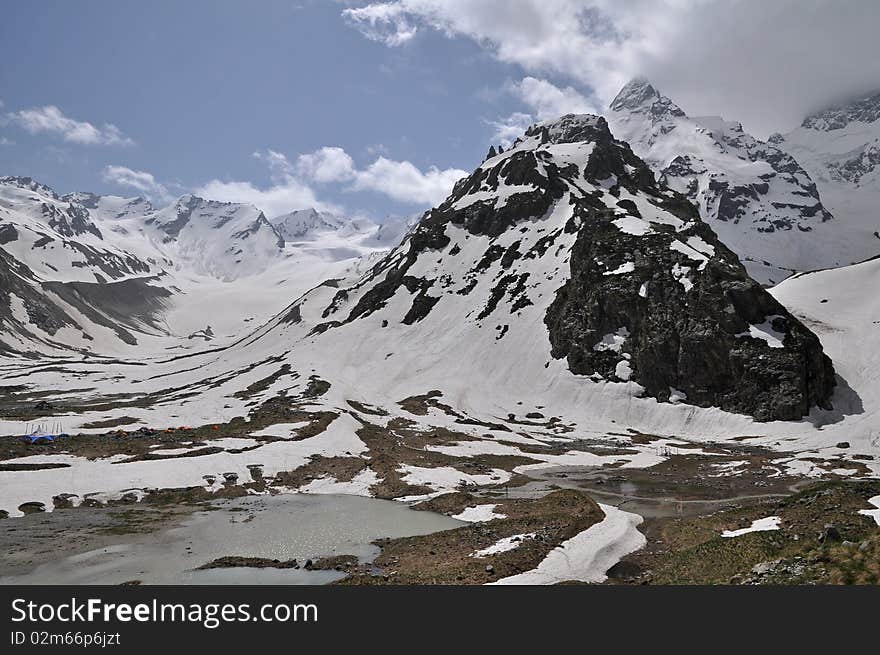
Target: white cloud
{"type": "Point", "coordinates": [404, 182]}
{"type": "Point", "coordinates": [332, 167]}
{"type": "Point", "coordinates": [6, 142]}
{"type": "Point", "coordinates": [273, 201]}
{"type": "Point", "coordinates": [510, 128]}
{"type": "Point", "coordinates": [386, 22]}
{"type": "Point", "coordinates": [141, 181]}
{"type": "Point", "coordinates": [50, 119]}
{"type": "Point", "coordinates": [328, 164]}
{"type": "Point", "coordinates": [766, 64]}
{"type": "Point", "coordinates": [545, 100]}
{"type": "Point", "coordinates": [550, 101]}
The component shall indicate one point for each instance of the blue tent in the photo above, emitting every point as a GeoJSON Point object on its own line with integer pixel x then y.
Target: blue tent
{"type": "Point", "coordinates": [39, 437]}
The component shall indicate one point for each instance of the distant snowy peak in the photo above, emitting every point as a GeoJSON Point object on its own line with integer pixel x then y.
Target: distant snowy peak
{"type": "Point", "coordinates": [864, 110]}
{"type": "Point", "coordinates": [393, 229]}
{"type": "Point", "coordinates": [223, 239]}
{"type": "Point", "coordinates": [196, 215]}
{"type": "Point", "coordinates": [28, 184]}
{"type": "Point", "coordinates": [302, 223]}
{"type": "Point", "coordinates": [840, 147]}
{"type": "Point", "coordinates": [111, 207]}
{"type": "Point", "coordinates": [756, 196]}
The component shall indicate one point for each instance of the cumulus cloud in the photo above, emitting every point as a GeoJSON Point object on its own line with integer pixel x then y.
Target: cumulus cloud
{"type": "Point", "coordinates": [550, 101]}
{"type": "Point", "coordinates": [328, 164]}
{"type": "Point", "coordinates": [50, 119]}
{"type": "Point", "coordinates": [766, 64]}
{"type": "Point", "coordinates": [333, 169]}
{"type": "Point", "coordinates": [274, 200]}
{"type": "Point", "coordinates": [143, 182]}
{"type": "Point", "coordinates": [402, 181]}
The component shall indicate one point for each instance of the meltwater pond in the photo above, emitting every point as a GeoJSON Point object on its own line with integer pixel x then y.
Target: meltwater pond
{"type": "Point", "coordinates": [282, 527]}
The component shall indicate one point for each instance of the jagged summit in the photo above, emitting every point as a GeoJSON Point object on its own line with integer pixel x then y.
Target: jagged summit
{"type": "Point", "coordinates": [635, 93]}
{"type": "Point", "coordinates": [863, 110]}
{"type": "Point", "coordinates": [301, 223]}
{"type": "Point", "coordinates": [756, 196]}
{"type": "Point", "coordinates": [639, 95]}
{"type": "Point", "coordinates": [24, 182]}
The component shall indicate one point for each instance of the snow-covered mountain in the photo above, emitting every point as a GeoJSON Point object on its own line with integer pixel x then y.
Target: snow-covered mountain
{"type": "Point", "coordinates": [756, 196]}
{"type": "Point", "coordinates": [310, 223]}
{"type": "Point", "coordinates": [840, 147]}
{"type": "Point", "coordinates": [115, 276]}
{"type": "Point", "coordinates": [559, 298]}
{"type": "Point", "coordinates": [560, 264]}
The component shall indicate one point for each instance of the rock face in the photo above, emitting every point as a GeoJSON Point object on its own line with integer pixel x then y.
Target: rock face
{"type": "Point", "coordinates": [756, 196]}
{"type": "Point", "coordinates": [628, 283]}
{"type": "Point", "coordinates": [718, 340]}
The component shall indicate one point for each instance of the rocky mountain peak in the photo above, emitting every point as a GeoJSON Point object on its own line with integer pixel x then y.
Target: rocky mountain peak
{"type": "Point", "coordinates": [638, 95]}
{"type": "Point", "coordinates": [863, 110]}
{"type": "Point", "coordinates": [28, 183]}
{"type": "Point", "coordinates": [572, 128]}
{"type": "Point", "coordinates": [634, 94]}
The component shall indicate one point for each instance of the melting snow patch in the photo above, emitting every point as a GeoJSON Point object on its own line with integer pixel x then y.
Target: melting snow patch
{"type": "Point", "coordinates": [623, 370]}
{"type": "Point", "coordinates": [479, 514]}
{"type": "Point", "coordinates": [643, 290]}
{"type": "Point", "coordinates": [689, 252]}
{"type": "Point", "coordinates": [587, 556]}
{"type": "Point", "coordinates": [447, 477]}
{"type": "Point", "coordinates": [359, 485]}
{"type": "Point", "coordinates": [765, 332]}
{"type": "Point", "coordinates": [632, 225]}
{"type": "Point", "coordinates": [698, 244]}
{"type": "Point", "coordinates": [873, 513]}
{"type": "Point", "coordinates": [613, 341]}
{"type": "Point", "coordinates": [503, 545]}
{"type": "Point", "coordinates": [676, 395]}
{"type": "Point", "coordinates": [758, 525]}
{"type": "Point", "coordinates": [627, 267]}
{"type": "Point", "coordinates": [682, 273]}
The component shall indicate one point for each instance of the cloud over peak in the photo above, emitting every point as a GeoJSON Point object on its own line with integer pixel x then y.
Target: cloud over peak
{"type": "Point", "coordinates": [141, 181]}
{"type": "Point", "coordinates": [765, 64]}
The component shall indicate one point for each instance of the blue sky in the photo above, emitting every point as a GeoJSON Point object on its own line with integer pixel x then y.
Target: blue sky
{"type": "Point", "coordinates": [199, 86]}
{"type": "Point", "coordinates": [376, 107]}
